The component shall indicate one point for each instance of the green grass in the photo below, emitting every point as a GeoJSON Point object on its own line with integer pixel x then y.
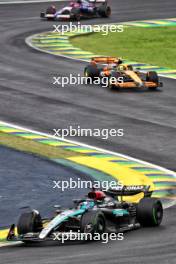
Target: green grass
{"type": "Point", "coordinates": [148, 45]}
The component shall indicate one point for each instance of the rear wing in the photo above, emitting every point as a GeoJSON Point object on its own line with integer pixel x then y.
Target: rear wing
{"type": "Point", "coordinates": [106, 60]}
{"type": "Point", "coordinates": [130, 190]}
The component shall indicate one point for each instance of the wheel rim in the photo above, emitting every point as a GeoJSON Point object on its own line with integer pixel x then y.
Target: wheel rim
{"type": "Point", "coordinates": [88, 228]}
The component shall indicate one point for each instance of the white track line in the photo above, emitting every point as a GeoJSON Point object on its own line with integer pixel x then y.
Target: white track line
{"type": "Point", "coordinates": [171, 203]}
{"type": "Point", "coordinates": [28, 42]}
{"type": "Point", "coordinates": [6, 244]}
{"type": "Point", "coordinates": [89, 146]}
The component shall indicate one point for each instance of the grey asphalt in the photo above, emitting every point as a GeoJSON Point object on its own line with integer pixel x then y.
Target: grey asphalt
{"type": "Point", "coordinates": [27, 180]}
{"type": "Point", "coordinates": [28, 98]}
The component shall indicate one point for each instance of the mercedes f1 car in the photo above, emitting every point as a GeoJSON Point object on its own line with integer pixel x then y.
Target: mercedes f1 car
{"type": "Point", "coordinates": [121, 75]}
{"type": "Point", "coordinates": [99, 212]}
{"type": "Point", "coordinates": [78, 9]}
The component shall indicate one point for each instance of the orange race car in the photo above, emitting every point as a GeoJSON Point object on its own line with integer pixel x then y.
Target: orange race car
{"type": "Point", "coordinates": [120, 75]}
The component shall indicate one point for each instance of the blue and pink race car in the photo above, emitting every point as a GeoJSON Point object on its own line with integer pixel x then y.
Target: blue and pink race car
{"type": "Point", "coordinates": [77, 10]}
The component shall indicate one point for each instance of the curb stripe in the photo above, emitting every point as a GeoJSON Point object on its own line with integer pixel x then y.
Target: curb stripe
{"type": "Point", "coordinates": [59, 45]}
{"type": "Point", "coordinates": [109, 163]}
{"type": "Point", "coordinates": [103, 165]}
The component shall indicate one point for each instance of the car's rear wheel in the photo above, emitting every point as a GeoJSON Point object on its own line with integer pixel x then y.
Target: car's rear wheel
{"type": "Point", "coordinates": [93, 222]}
{"type": "Point", "coordinates": [149, 212]}
{"type": "Point", "coordinates": [104, 11]}
{"type": "Point", "coordinates": [152, 76]}
{"type": "Point", "coordinates": [91, 71]}
{"type": "Point", "coordinates": [29, 222]}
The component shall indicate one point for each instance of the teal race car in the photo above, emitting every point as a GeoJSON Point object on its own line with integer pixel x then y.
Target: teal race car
{"type": "Point", "coordinates": [97, 213]}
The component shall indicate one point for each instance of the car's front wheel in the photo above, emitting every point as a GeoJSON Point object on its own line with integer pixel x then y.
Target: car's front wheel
{"type": "Point", "coordinates": [29, 222]}
{"type": "Point", "coordinates": [91, 71]}
{"type": "Point", "coordinates": [104, 11]}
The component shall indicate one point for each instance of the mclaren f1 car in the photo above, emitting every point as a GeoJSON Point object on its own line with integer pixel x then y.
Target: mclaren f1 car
{"type": "Point", "coordinates": [121, 75]}
{"type": "Point", "coordinates": [77, 10]}
{"type": "Point", "coordinates": [98, 212]}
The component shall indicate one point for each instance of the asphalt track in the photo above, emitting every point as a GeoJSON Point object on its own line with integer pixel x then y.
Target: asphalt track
{"type": "Point", "coordinates": [28, 98]}
{"type": "Point", "coordinates": [28, 181]}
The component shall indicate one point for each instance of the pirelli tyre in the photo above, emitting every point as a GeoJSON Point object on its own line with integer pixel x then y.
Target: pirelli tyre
{"type": "Point", "coordinates": [51, 10]}
{"type": "Point", "coordinates": [152, 76]}
{"type": "Point", "coordinates": [149, 212]}
{"type": "Point", "coordinates": [29, 222]}
{"type": "Point", "coordinates": [91, 71]}
{"type": "Point", "coordinates": [75, 14]}
{"type": "Point", "coordinates": [111, 82]}
{"type": "Point", "coordinates": [104, 11]}
{"type": "Point", "coordinates": [93, 222]}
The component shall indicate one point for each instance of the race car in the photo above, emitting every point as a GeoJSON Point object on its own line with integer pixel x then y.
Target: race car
{"type": "Point", "coordinates": [77, 10]}
{"type": "Point", "coordinates": [121, 75]}
{"type": "Point", "coordinates": [98, 212]}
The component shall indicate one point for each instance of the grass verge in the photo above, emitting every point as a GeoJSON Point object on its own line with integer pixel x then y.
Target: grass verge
{"type": "Point", "coordinates": [148, 45]}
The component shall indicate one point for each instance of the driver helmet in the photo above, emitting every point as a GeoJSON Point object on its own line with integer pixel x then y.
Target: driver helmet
{"type": "Point", "coordinates": [97, 195]}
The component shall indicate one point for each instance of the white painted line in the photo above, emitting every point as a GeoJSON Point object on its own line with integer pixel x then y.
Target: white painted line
{"type": "Point", "coordinates": [6, 2]}
{"type": "Point", "coordinates": [28, 42]}
{"type": "Point", "coordinates": [7, 244]}
{"type": "Point", "coordinates": [171, 203]}
{"type": "Point", "coordinates": [89, 146]}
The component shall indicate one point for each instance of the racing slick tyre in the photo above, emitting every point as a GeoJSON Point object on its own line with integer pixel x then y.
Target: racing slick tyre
{"type": "Point", "coordinates": [42, 15]}
{"type": "Point", "coordinates": [91, 71]}
{"type": "Point", "coordinates": [111, 85]}
{"type": "Point", "coordinates": [29, 222]}
{"type": "Point", "coordinates": [104, 11]}
{"type": "Point", "coordinates": [152, 76]}
{"type": "Point", "coordinates": [93, 222]}
{"type": "Point", "coordinates": [149, 212]}
{"type": "Point", "coordinates": [75, 14]}
{"type": "Point", "coordinates": [51, 10]}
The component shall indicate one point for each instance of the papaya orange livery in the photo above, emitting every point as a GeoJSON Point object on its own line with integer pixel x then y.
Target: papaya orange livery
{"type": "Point", "coordinates": [121, 75]}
